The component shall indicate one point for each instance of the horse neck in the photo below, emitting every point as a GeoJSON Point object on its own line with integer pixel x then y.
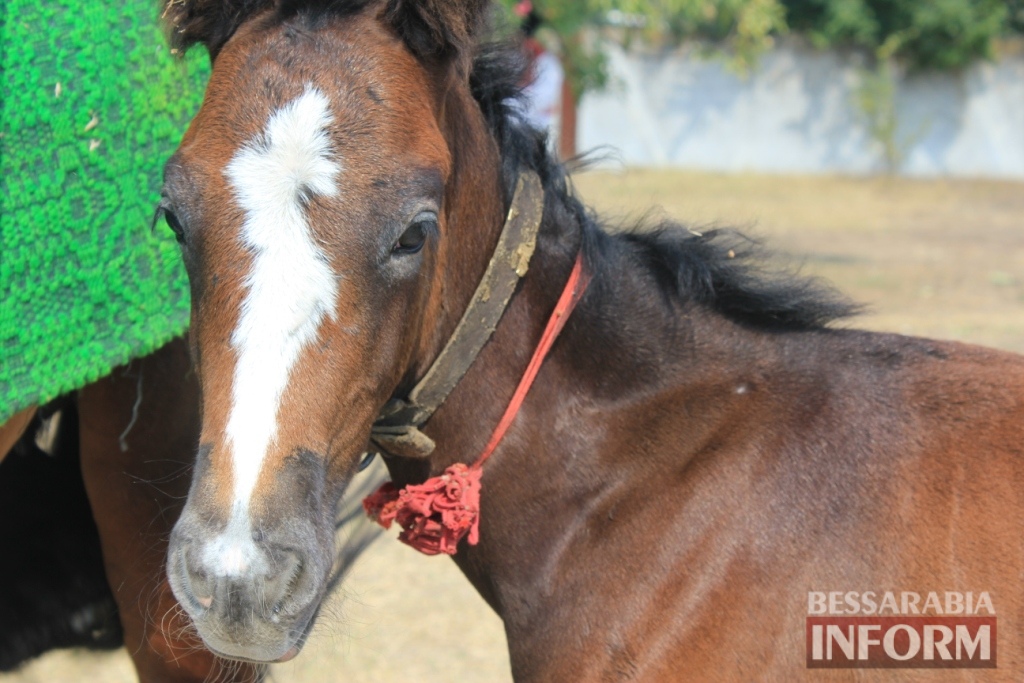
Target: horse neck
{"type": "Point", "coordinates": [622, 344]}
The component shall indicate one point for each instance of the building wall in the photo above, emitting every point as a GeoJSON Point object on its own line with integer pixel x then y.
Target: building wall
{"type": "Point", "coordinates": [796, 113]}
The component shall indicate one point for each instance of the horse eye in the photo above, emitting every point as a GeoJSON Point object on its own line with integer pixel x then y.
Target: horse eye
{"type": "Point", "coordinates": [415, 235]}
{"type": "Point", "coordinates": [175, 225]}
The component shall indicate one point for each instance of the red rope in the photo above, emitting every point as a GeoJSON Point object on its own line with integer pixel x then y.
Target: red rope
{"type": "Point", "coordinates": [573, 292]}
{"type": "Point", "coordinates": [438, 513]}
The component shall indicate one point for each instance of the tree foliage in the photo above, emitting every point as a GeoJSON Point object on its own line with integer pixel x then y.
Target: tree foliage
{"type": "Point", "coordinates": [921, 34]}
{"type": "Point", "coordinates": [937, 34]}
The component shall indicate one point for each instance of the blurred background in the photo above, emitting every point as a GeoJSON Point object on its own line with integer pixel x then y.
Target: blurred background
{"type": "Point", "coordinates": [877, 143]}
{"type": "Point", "coordinates": [918, 88]}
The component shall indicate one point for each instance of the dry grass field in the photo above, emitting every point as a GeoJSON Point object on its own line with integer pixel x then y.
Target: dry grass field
{"type": "Point", "coordinates": [937, 258]}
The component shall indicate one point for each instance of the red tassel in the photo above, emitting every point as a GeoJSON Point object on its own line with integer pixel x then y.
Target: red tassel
{"type": "Point", "coordinates": [434, 515]}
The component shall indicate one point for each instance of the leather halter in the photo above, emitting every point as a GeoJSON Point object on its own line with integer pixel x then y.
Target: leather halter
{"type": "Point", "coordinates": [397, 429]}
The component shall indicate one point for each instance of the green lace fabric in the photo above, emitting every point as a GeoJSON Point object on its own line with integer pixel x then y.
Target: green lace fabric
{"type": "Point", "coordinates": [93, 104]}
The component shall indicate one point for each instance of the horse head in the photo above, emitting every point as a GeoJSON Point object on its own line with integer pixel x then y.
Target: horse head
{"type": "Point", "coordinates": [327, 199]}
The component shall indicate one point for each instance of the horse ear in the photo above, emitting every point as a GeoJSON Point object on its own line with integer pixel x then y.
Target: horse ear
{"type": "Point", "coordinates": [210, 22]}
{"type": "Point", "coordinates": [439, 29]}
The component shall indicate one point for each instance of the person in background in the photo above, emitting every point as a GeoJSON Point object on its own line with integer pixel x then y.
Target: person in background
{"type": "Point", "coordinates": [542, 80]}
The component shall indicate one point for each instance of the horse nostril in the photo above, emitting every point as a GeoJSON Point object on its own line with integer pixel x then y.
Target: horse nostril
{"type": "Point", "coordinates": [287, 569]}
{"type": "Point", "coordinates": [193, 582]}
{"type": "Point", "coordinates": [280, 585]}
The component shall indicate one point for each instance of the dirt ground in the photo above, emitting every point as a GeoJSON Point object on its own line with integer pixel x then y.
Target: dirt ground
{"type": "Point", "coordinates": [938, 258]}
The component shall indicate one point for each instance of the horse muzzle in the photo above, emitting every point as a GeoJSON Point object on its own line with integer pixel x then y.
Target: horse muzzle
{"type": "Point", "coordinates": [251, 595]}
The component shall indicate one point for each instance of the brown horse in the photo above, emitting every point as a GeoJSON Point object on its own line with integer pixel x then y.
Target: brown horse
{"type": "Point", "coordinates": [700, 450]}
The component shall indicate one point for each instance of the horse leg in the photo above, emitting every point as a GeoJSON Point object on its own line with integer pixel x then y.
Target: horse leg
{"type": "Point", "coordinates": [12, 430]}
{"type": "Point", "coordinates": [139, 430]}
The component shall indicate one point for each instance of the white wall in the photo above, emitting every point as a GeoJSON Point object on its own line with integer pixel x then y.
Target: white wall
{"type": "Point", "coordinates": [796, 113]}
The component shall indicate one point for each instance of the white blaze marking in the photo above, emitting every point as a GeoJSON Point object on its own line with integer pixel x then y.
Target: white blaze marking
{"type": "Point", "coordinates": [233, 552]}
{"type": "Point", "coordinates": [290, 288]}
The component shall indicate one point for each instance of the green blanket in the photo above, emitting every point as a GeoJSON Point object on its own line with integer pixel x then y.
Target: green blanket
{"type": "Point", "coordinates": [92, 105]}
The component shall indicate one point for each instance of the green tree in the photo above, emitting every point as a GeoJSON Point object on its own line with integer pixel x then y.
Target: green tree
{"type": "Point", "coordinates": [920, 34]}
{"type": "Point", "coordinates": [937, 34]}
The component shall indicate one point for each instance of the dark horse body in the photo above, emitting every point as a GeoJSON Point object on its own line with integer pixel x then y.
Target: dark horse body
{"type": "Point", "coordinates": [700, 449]}
{"type": "Point", "coordinates": [53, 590]}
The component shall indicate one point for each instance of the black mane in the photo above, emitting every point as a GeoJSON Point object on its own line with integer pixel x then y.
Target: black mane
{"type": "Point", "coordinates": [719, 269]}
